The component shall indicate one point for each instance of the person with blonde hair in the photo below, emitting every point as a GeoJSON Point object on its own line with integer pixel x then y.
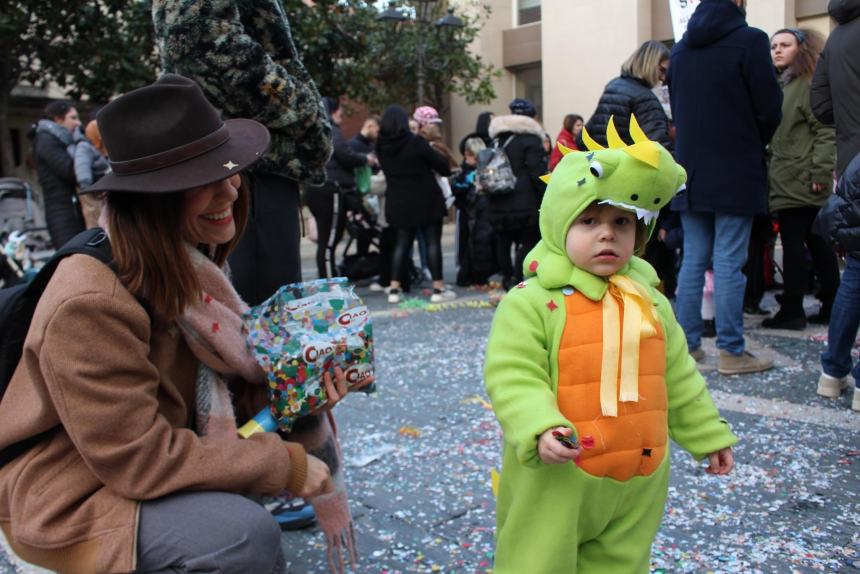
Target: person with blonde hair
{"type": "Point", "coordinates": [800, 178]}
{"type": "Point", "coordinates": [630, 93]}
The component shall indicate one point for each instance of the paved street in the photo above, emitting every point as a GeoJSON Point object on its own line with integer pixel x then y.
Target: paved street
{"type": "Point", "coordinates": [420, 452]}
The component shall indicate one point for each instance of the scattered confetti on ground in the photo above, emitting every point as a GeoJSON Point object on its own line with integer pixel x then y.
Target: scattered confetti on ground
{"type": "Point", "coordinates": [424, 503]}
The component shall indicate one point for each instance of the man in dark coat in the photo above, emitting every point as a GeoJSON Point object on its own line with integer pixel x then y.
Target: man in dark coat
{"type": "Point", "coordinates": [514, 215]}
{"type": "Point", "coordinates": [53, 153]}
{"type": "Point", "coordinates": [835, 95]}
{"type": "Point", "coordinates": [242, 55]}
{"type": "Point", "coordinates": [726, 104]}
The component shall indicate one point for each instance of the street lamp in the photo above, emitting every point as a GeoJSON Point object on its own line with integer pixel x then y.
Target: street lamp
{"type": "Point", "coordinates": [423, 10]}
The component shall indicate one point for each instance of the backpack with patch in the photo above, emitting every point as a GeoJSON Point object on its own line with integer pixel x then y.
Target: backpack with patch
{"type": "Point", "coordinates": [494, 174]}
{"type": "Point", "coordinates": [17, 305]}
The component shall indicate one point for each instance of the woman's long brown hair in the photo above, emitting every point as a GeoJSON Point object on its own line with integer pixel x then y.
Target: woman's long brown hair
{"type": "Point", "coordinates": [147, 234]}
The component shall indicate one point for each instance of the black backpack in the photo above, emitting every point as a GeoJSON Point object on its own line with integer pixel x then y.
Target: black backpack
{"type": "Point", "coordinates": [17, 305]}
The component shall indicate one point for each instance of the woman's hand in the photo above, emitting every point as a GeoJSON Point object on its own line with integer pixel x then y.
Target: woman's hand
{"type": "Point", "coordinates": [337, 389]}
{"type": "Point", "coordinates": [720, 462]}
{"type": "Point", "coordinates": [318, 480]}
{"type": "Point", "coordinates": [551, 451]}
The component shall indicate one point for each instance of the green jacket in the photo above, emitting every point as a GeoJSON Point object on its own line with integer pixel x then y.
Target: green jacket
{"type": "Point", "coordinates": [242, 55]}
{"type": "Point", "coordinates": [802, 152]}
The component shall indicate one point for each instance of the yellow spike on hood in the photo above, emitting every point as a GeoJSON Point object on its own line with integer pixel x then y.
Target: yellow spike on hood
{"type": "Point", "coordinates": [563, 148]}
{"type": "Point", "coordinates": [636, 132]}
{"type": "Point", "coordinates": [589, 141]}
{"type": "Point", "coordinates": [612, 137]}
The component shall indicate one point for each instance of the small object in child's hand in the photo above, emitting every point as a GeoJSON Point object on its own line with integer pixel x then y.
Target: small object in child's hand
{"type": "Point", "coordinates": [588, 442]}
{"type": "Point", "coordinates": [567, 441]}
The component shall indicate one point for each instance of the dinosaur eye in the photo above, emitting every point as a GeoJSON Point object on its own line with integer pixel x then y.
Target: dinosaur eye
{"type": "Point", "coordinates": [596, 169]}
{"type": "Point", "coordinates": [656, 201]}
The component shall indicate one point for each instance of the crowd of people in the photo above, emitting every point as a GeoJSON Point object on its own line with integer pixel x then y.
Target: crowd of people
{"type": "Point", "coordinates": [197, 181]}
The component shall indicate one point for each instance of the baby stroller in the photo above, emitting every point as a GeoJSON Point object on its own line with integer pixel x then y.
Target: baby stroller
{"type": "Point", "coordinates": [364, 231]}
{"type": "Point", "coordinates": [24, 239]}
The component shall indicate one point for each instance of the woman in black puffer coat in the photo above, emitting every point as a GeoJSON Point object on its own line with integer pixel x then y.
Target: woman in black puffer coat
{"type": "Point", "coordinates": [630, 93]}
{"type": "Point", "coordinates": [55, 166]}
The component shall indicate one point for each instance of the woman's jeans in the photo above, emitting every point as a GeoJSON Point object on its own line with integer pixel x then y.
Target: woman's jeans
{"type": "Point", "coordinates": [207, 532]}
{"type": "Point", "coordinates": [403, 244]}
{"type": "Point", "coordinates": [723, 239]}
{"type": "Point", "coordinates": [844, 322]}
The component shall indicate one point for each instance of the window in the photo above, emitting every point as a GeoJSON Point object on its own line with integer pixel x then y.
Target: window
{"type": "Point", "coordinates": [528, 11]}
{"type": "Point", "coordinates": [530, 86]}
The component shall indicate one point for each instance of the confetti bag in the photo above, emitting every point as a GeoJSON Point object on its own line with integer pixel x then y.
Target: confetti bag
{"type": "Point", "coordinates": [301, 332]}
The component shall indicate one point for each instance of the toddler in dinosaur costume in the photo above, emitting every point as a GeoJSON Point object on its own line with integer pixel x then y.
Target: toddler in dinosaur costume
{"type": "Point", "coordinates": [588, 348]}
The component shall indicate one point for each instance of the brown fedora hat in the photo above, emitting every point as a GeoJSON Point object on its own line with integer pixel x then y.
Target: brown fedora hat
{"type": "Point", "coordinates": [167, 137]}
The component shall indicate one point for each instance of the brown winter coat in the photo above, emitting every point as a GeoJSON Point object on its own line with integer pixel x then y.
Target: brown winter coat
{"type": "Point", "coordinates": [122, 387]}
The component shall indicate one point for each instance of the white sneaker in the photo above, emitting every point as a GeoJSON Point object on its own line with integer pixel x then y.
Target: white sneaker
{"type": "Point", "coordinates": [375, 287]}
{"type": "Point", "coordinates": [442, 296]}
{"type": "Point", "coordinates": [394, 296]}
{"type": "Point", "coordinates": [831, 387]}
{"type": "Point", "coordinates": [855, 403]}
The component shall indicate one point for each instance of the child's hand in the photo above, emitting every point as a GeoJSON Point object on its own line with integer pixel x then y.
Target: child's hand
{"type": "Point", "coordinates": [721, 462]}
{"type": "Point", "coordinates": [551, 451]}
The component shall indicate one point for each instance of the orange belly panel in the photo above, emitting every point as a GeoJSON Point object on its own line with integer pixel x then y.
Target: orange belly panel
{"type": "Point", "coordinates": [634, 442]}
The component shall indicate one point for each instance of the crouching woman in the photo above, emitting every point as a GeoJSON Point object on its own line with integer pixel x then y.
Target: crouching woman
{"type": "Point", "coordinates": [125, 371]}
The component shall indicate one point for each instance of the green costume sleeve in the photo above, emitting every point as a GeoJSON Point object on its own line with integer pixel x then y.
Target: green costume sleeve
{"type": "Point", "coordinates": [694, 422]}
{"type": "Point", "coordinates": [517, 376]}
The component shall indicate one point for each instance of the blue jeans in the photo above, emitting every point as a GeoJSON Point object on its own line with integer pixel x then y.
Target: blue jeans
{"type": "Point", "coordinates": [844, 322]}
{"type": "Point", "coordinates": [723, 239]}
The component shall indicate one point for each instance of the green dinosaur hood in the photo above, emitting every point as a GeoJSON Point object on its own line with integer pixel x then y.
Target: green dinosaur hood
{"type": "Point", "coordinates": [641, 178]}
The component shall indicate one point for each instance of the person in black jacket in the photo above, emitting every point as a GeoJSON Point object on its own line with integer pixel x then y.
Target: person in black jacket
{"type": "Point", "coordinates": [329, 202]}
{"type": "Point", "coordinates": [630, 93]}
{"type": "Point", "coordinates": [839, 221]}
{"type": "Point", "coordinates": [515, 215]}
{"type": "Point", "coordinates": [835, 92]}
{"type": "Point", "coordinates": [726, 105]}
{"type": "Point", "coordinates": [413, 198]}
{"type": "Point", "coordinates": [53, 152]}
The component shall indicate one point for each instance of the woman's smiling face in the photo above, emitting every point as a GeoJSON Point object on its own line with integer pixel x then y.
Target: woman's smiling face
{"type": "Point", "coordinates": [209, 212]}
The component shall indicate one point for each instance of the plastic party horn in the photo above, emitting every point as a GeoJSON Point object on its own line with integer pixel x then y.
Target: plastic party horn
{"type": "Point", "coordinates": [567, 441]}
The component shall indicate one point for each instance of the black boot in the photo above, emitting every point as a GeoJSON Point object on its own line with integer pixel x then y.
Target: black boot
{"type": "Point", "coordinates": [790, 315]}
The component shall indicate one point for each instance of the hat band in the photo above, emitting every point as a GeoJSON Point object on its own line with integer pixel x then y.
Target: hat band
{"type": "Point", "coordinates": [172, 156]}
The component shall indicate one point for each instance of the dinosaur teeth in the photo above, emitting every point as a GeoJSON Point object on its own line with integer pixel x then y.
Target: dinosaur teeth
{"type": "Point", "coordinates": [646, 215]}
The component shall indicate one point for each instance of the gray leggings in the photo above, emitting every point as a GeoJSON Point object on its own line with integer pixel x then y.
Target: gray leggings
{"type": "Point", "coordinates": [207, 533]}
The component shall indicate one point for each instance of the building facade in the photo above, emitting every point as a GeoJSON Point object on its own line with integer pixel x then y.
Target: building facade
{"type": "Point", "coordinates": [561, 53]}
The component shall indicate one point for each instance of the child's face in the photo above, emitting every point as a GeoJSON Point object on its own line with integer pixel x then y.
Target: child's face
{"type": "Point", "coordinates": [601, 239]}
{"type": "Point", "coordinates": [470, 158]}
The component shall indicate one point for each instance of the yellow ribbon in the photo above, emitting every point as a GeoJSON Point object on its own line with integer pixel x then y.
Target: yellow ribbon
{"type": "Point", "coordinates": [621, 342]}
